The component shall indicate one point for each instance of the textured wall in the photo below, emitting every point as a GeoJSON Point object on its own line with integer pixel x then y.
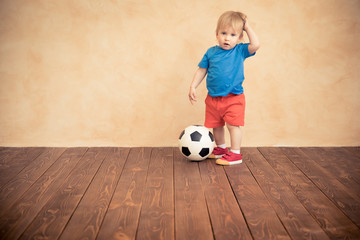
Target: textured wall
{"type": "Point", "coordinates": [118, 72]}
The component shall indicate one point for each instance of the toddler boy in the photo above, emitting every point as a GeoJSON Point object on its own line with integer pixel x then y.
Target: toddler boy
{"type": "Point", "coordinates": [224, 66]}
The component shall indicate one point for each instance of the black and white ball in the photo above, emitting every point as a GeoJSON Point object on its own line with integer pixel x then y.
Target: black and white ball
{"type": "Point", "coordinates": [196, 142]}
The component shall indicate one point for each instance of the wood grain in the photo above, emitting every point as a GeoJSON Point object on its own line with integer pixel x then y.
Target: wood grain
{"type": "Point", "coordinates": [191, 216]}
{"type": "Point", "coordinates": [353, 151]}
{"type": "Point", "coordinates": [344, 198]}
{"type": "Point", "coordinates": [344, 167]}
{"type": "Point", "coordinates": [154, 193]}
{"type": "Point", "coordinates": [14, 221]}
{"type": "Point", "coordinates": [226, 217]}
{"type": "Point", "coordinates": [260, 216]}
{"type": "Point", "coordinates": [51, 220]}
{"type": "Point", "coordinates": [10, 167]}
{"type": "Point", "coordinates": [328, 216]}
{"type": "Point", "coordinates": [157, 212]}
{"type": "Point", "coordinates": [88, 216]}
{"type": "Point", "coordinates": [292, 213]}
{"type": "Point", "coordinates": [122, 218]}
{"type": "Point", "coordinates": [16, 187]}
{"type": "Point", "coordinates": [7, 154]}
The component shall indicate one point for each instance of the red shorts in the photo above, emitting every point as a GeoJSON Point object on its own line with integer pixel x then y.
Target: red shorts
{"type": "Point", "coordinates": [220, 110]}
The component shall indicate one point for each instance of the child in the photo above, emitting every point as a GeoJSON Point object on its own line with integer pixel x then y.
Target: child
{"type": "Point", "coordinates": [224, 66]}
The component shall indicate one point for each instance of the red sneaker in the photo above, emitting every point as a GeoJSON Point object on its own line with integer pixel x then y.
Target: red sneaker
{"type": "Point", "coordinates": [218, 152]}
{"type": "Point", "coordinates": [230, 159]}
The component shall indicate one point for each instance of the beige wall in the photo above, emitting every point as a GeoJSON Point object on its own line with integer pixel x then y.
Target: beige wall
{"type": "Point", "coordinates": [117, 73]}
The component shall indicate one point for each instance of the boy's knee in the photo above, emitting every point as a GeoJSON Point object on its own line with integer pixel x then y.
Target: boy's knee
{"type": "Point", "coordinates": [232, 126]}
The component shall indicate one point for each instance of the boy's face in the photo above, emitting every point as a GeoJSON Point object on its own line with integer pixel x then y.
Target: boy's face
{"type": "Point", "coordinates": [228, 37]}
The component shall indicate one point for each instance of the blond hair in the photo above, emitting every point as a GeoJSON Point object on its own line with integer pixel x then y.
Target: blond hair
{"type": "Point", "coordinates": [233, 19]}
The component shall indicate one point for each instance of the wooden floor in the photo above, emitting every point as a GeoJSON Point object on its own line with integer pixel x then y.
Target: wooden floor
{"type": "Point", "coordinates": [154, 193]}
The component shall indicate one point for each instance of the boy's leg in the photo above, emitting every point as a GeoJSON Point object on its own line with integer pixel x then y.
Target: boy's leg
{"type": "Point", "coordinates": [234, 156]}
{"type": "Point", "coordinates": [234, 118]}
{"type": "Point", "coordinates": [235, 137]}
{"type": "Point", "coordinates": [219, 135]}
{"type": "Point", "coordinates": [220, 150]}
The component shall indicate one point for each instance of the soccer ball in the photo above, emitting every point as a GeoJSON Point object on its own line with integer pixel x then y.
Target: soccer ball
{"type": "Point", "coordinates": [196, 142]}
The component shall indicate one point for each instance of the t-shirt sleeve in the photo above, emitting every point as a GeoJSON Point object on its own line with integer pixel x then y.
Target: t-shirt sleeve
{"type": "Point", "coordinates": [204, 63]}
{"type": "Point", "coordinates": [244, 49]}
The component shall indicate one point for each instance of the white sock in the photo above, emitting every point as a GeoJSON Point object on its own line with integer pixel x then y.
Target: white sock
{"type": "Point", "coordinates": [236, 151]}
{"type": "Point", "coordinates": [222, 146]}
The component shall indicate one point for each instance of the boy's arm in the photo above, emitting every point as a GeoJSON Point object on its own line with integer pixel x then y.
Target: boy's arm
{"type": "Point", "coordinates": [254, 41]}
{"type": "Point", "coordinates": [198, 77]}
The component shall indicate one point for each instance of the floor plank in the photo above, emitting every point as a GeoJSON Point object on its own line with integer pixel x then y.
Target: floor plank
{"type": "Point", "coordinates": [260, 216]}
{"type": "Point", "coordinates": [9, 168]}
{"type": "Point", "coordinates": [85, 224]}
{"type": "Point", "coordinates": [122, 218]}
{"type": "Point", "coordinates": [53, 217]}
{"type": "Point", "coordinates": [353, 151]}
{"type": "Point", "coordinates": [14, 221]}
{"type": "Point", "coordinates": [292, 213]}
{"type": "Point", "coordinates": [155, 193]}
{"type": "Point", "coordinates": [157, 212]}
{"type": "Point", "coordinates": [18, 185]}
{"type": "Point", "coordinates": [7, 154]}
{"type": "Point", "coordinates": [328, 216]}
{"type": "Point", "coordinates": [191, 216]}
{"type": "Point", "coordinates": [337, 163]}
{"type": "Point", "coordinates": [344, 198]}
{"type": "Point", "coordinates": [226, 217]}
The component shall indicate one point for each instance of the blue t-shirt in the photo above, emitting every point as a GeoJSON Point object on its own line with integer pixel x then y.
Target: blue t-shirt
{"type": "Point", "coordinates": [225, 69]}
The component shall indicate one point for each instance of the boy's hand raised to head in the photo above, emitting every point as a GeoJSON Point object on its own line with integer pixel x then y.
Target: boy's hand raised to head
{"type": "Point", "coordinates": [254, 44]}
{"type": "Point", "coordinates": [246, 25]}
